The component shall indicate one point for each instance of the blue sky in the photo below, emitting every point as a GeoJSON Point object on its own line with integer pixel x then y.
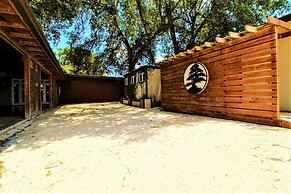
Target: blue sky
{"type": "Point", "coordinates": [63, 42]}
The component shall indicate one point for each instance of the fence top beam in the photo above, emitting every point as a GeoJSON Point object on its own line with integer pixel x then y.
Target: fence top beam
{"type": "Point", "coordinates": [283, 28]}
{"type": "Point", "coordinates": [277, 22]}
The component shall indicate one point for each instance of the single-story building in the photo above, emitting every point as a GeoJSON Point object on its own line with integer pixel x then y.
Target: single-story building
{"type": "Point", "coordinates": [88, 89]}
{"type": "Point", "coordinates": [29, 70]}
{"type": "Point", "coordinates": [31, 79]}
{"type": "Point", "coordinates": [142, 87]}
{"type": "Point", "coordinates": [244, 76]}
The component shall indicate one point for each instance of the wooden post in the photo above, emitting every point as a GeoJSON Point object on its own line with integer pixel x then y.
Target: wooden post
{"type": "Point", "coordinates": [51, 90]}
{"type": "Point", "coordinates": [278, 22]}
{"type": "Point", "coordinates": [27, 108]}
{"type": "Point", "coordinates": [40, 99]}
{"type": "Point", "coordinates": [276, 67]}
{"type": "Point", "coordinates": [38, 85]}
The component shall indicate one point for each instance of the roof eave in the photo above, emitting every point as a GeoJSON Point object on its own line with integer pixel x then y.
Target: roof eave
{"type": "Point", "coordinates": [27, 14]}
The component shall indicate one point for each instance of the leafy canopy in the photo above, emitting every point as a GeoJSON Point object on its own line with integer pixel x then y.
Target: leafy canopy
{"type": "Point", "coordinates": [81, 61]}
{"type": "Point", "coordinates": [127, 33]}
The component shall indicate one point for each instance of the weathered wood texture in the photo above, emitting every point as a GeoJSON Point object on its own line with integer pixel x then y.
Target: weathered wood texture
{"type": "Point", "coordinates": [14, 28]}
{"type": "Point", "coordinates": [32, 84]}
{"type": "Point", "coordinates": [34, 89]}
{"type": "Point", "coordinates": [31, 88]}
{"type": "Point", "coordinates": [86, 89]}
{"type": "Point", "coordinates": [55, 92]}
{"type": "Point", "coordinates": [27, 62]}
{"type": "Point", "coordinates": [243, 80]}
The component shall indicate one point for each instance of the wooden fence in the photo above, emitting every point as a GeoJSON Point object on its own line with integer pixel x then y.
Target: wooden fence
{"type": "Point", "coordinates": [243, 81]}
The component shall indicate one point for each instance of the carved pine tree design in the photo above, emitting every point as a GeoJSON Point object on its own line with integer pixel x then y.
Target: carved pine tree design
{"type": "Point", "coordinates": [196, 75]}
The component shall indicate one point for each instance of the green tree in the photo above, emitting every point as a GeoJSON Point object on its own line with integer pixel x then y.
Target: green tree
{"type": "Point", "coordinates": [123, 32]}
{"type": "Point", "coordinates": [127, 33]}
{"type": "Point", "coordinates": [78, 60]}
{"type": "Point", "coordinates": [192, 22]}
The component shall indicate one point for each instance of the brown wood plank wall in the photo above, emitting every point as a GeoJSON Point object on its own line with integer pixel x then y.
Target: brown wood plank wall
{"type": "Point", "coordinates": [32, 83]}
{"type": "Point", "coordinates": [55, 93]}
{"type": "Point", "coordinates": [86, 89]}
{"type": "Point", "coordinates": [34, 88]}
{"type": "Point", "coordinates": [243, 81]}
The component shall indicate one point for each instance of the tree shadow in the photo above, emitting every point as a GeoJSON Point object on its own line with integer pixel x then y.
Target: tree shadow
{"type": "Point", "coordinates": [113, 121]}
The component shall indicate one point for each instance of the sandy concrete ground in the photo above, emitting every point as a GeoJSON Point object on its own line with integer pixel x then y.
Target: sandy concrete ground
{"type": "Point", "coordinates": [112, 148]}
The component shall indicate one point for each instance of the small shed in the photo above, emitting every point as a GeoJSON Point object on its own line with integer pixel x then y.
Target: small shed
{"type": "Point", "coordinates": [142, 87]}
{"type": "Point", "coordinates": [244, 76]}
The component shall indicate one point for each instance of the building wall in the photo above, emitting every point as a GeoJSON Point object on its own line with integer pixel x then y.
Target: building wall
{"type": "Point", "coordinates": [284, 55]}
{"type": "Point", "coordinates": [243, 81]}
{"type": "Point", "coordinates": [55, 92]}
{"type": "Point", "coordinates": [82, 89]}
{"type": "Point", "coordinates": [154, 85]}
{"type": "Point", "coordinates": [34, 88]}
{"type": "Point", "coordinates": [150, 88]}
{"type": "Point", "coordinates": [32, 81]}
{"type": "Point", "coordinates": [138, 90]}
{"type": "Point", "coordinates": [17, 66]}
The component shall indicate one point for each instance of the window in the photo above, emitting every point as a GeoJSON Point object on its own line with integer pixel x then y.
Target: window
{"type": "Point", "coordinates": [17, 91]}
{"type": "Point", "coordinates": [44, 90]}
{"type": "Point", "coordinates": [132, 81]}
{"type": "Point", "coordinates": [141, 77]}
{"type": "Point", "coordinates": [126, 81]}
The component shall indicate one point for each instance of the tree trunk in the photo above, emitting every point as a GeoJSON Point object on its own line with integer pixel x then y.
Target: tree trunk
{"type": "Point", "coordinates": [172, 29]}
{"type": "Point", "coordinates": [131, 64]}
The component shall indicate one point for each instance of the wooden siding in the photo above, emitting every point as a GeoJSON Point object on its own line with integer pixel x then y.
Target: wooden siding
{"type": "Point", "coordinates": [86, 89]}
{"type": "Point", "coordinates": [34, 88]}
{"type": "Point", "coordinates": [18, 30]}
{"type": "Point", "coordinates": [55, 93]}
{"type": "Point", "coordinates": [243, 81]}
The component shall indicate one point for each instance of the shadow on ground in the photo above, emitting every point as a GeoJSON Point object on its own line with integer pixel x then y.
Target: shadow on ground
{"type": "Point", "coordinates": [114, 121]}
{"type": "Point", "coordinates": [107, 120]}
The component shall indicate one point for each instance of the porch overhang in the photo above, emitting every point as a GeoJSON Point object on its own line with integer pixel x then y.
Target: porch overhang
{"type": "Point", "coordinates": [19, 27]}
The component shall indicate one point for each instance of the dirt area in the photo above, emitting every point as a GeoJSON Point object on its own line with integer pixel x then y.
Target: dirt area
{"type": "Point", "coordinates": [8, 121]}
{"type": "Point", "coordinates": [113, 148]}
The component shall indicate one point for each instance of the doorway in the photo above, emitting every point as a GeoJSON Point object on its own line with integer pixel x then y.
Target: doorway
{"type": "Point", "coordinates": [11, 86]}
{"type": "Point", "coordinates": [45, 91]}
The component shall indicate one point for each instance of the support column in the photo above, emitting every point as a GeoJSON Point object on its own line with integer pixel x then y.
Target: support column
{"type": "Point", "coordinates": [38, 93]}
{"type": "Point", "coordinates": [51, 90]}
{"type": "Point", "coordinates": [27, 78]}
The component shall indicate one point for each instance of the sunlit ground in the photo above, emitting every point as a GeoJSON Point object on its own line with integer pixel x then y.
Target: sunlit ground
{"type": "Point", "coordinates": [113, 148]}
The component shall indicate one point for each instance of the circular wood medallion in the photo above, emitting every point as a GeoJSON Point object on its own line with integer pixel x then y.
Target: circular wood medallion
{"type": "Point", "coordinates": [196, 78]}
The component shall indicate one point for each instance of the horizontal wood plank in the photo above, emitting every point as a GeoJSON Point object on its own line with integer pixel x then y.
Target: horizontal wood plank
{"type": "Point", "coordinates": [243, 79]}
